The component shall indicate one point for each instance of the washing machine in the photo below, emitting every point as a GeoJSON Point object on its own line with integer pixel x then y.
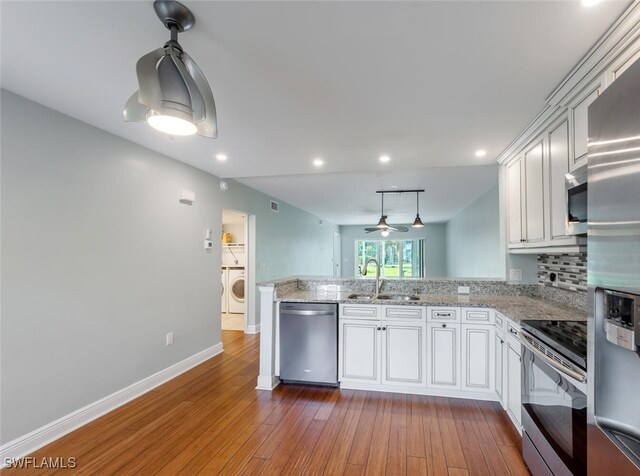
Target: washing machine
{"type": "Point", "coordinates": [236, 291]}
{"type": "Point", "coordinates": [225, 295]}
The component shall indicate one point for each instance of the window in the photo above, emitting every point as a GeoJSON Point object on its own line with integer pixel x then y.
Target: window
{"type": "Point", "coordinates": [397, 258]}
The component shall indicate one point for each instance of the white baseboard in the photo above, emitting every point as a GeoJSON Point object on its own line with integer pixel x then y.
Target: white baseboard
{"type": "Point", "coordinates": [267, 382]}
{"type": "Point", "coordinates": [253, 329]}
{"type": "Point", "coordinates": [44, 435]}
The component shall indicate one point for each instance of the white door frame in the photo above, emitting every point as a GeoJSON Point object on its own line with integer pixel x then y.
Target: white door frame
{"type": "Point", "coordinates": [250, 275]}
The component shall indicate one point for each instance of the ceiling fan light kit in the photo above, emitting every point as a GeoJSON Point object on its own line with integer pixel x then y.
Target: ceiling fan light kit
{"type": "Point", "coordinates": [383, 227]}
{"type": "Point", "coordinates": [174, 96]}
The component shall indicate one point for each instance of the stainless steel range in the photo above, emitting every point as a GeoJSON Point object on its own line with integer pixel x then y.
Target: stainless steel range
{"type": "Point", "coordinates": [554, 397]}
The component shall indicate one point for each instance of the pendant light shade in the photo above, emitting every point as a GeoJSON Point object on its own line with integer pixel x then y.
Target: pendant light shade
{"type": "Point", "coordinates": [174, 96]}
{"type": "Point", "coordinates": [417, 223]}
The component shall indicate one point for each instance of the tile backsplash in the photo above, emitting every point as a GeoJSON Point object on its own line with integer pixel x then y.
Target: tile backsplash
{"type": "Point", "coordinates": [570, 271]}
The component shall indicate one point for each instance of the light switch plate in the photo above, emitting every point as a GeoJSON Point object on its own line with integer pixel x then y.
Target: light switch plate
{"type": "Point", "coordinates": [169, 339]}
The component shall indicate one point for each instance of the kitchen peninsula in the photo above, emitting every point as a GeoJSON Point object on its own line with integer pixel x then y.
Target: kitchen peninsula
{"type": "Point", "coordinates": [436, 340]}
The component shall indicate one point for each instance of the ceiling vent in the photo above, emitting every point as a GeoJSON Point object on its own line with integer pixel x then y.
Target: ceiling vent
{"type": "Point", "coordinates": [275, 206]}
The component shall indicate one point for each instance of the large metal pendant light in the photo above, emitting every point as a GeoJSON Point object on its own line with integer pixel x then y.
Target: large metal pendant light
{"type": "Point", "coordinates": [174, 96]}
{"type": "Point", "coordinates": [417, 223]}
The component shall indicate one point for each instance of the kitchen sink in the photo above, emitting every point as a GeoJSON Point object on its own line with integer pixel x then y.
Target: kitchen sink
{"type": "Point", "coordinates": [397, 297]}
{"type": "Point", "coordinates": [360, 296]}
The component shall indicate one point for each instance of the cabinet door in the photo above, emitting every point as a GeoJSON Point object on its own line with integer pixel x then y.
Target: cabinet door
{"type": "Point", "coordinates": [514, 204]}
{"type": "Point", "coordinates": [500, 355]}
{"type": "Point", "coordinates": [514, 386]}
{"type": "Point", "coordinates": [403, 354]}
{"type": "Point", "coordinates": [443, 363]}
{"type": "Point", "coordinates": [534, 195]}
{"type": "Point", "coordinates": [578, 125]}
{"type": "Point", "coordinates": [359, 356]}
{"type": "Point", "coordinates": [558, 167]}
{"type": "Point", "coordinates": [477, 358]}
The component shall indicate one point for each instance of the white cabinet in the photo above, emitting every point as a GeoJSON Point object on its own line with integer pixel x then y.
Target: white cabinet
{"type": "Point", "coordinates": [534, 183]}
{"type": "Point", "coordinates": [477, 358]}
{"type": "Point", "coordinates": [443, 347]}
{"type": "Point", "coordinates": [558, 153]}
{"type": "Point", "coordinates": [477, 315]}
{"type": "Point", "coordinates": [388, 351]}
{"type": "Point", "coordinates": [403, 353]}
{"type": "Point", "coordinates": [526, 184]}
{"type": "Point", "coordinates": [500, 365]}
{"type": "Point", "coordinates": [443, 314]}
{"type": "Point", "coordinates": [514, 385]}
{"type": "Point", "coordinates": [359, 356]}
{"type": "Point", "coordinates": [578, 132]}
{"type": "Point", "coordinates": [514, 205]}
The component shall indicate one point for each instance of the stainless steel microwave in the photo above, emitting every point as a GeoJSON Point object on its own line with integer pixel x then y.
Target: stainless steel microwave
{"type": "Point", "coordinates": [576, 187]}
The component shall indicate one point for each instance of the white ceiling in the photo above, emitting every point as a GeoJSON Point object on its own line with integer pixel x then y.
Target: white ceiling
{"type": "Point", "coordinates": [425, 82]}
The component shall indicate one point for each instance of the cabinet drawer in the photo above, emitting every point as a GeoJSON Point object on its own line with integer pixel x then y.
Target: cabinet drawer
{"type": "Point", "coordinates": [443, 314]}
{"type": "Point", "coordinates": [403, 312]}
{"type": "Point", "coordinates": [360, 310]}
{"type": "Point", "coordinates": [500, 320]}
{"type": "Point", "coordinates": [477, 315]}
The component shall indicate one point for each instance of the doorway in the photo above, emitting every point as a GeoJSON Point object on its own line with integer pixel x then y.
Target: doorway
{"type": "Point", "coordinates": [235, 268]}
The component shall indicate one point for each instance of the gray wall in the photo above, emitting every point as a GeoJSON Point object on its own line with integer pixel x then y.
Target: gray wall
{"type": "Point", "coordinates": [435, 246]}
{"type": "Point", "coordinates": [473, 240]}
{"type": "Point", "coordinates": [100, 261]}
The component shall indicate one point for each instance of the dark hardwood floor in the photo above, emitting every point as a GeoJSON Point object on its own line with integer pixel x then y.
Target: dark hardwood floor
{"type": "Point", "coordinates": [211, 420]}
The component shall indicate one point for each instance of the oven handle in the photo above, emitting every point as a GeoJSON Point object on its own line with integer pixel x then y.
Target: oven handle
{"type": "Point", "coordinates": [579, 376]}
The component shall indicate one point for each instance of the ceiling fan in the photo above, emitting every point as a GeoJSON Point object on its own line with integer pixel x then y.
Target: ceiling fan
{"type": "Point", "coordinates": [400, 229]}
{"type": "Point", "coordinates": [383, 227]}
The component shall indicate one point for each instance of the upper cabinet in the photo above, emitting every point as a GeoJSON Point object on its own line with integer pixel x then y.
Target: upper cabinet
{"type": "Point", "coordinates": [556, 143]}
{"type": "Point", "coordinates": [526, 183]}
{"type": "Point", "coordinates": [578, 120]}
{"type": "Point", "coordinates": [534, 205]}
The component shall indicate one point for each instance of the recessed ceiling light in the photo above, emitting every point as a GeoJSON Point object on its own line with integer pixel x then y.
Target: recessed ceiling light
{"type": "Point", "coordinates": [385, 158]}
{"type": "Point", "coordinates": [481, 153]}
{"type": "Point", "coordinates": [589, 3]}
{"type": "Point", "coordinates": [318, 162]}
{"type": "Point", "coordinates": [221, 157]}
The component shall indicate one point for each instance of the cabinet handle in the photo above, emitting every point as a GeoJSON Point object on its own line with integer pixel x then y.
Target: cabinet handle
{"type": "Point", "coordinates": [384, 328]}
{"type": "Point", "coordinates": [379, 328]}
{"type": "Point", "coordinates": [444, 325]}
{"type": "Point", "coordinates": [501, 341]}
{"type": "Point", "coordinates": [513, 331]}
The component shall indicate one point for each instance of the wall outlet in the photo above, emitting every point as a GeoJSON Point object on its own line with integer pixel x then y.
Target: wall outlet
{"type": "Point", "coordinates": [463, 290]}
{"type": "Point", "coordinates": [515, 275]}
{"type": "Point", "coordinates": [169, 339]}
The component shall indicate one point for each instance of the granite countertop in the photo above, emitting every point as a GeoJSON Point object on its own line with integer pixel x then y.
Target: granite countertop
{"type": "Point", "coordinates": [517, 308]}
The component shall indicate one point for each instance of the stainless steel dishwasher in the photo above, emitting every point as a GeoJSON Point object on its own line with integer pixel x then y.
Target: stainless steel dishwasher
{"type": "Point", "coordinates": [309, 343]}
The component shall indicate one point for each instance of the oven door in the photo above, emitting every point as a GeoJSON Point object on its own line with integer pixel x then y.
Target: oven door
{"type": "Point", "coordinates": [554, 405]}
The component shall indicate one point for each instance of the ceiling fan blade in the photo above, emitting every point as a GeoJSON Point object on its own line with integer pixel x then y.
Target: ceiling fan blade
{"type": "Point", "coordinates": [371, 230]}
{"type": "Point", "coordinates": [402, 229]}
{"type": "Point", "coordinates": [149, 91]}
{"type": "Point", "coordinates": [209, 126]}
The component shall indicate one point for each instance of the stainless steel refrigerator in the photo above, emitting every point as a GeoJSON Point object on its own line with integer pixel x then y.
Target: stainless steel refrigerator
{"type": "Point", "coordinates": [614, 278]}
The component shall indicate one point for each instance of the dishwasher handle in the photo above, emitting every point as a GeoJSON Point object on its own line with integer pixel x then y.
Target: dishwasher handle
{"type": "Point", "coordinates": [306, 312]}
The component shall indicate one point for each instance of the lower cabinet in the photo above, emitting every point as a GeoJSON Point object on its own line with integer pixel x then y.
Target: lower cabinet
{"type": "Point", "coordinates": [444, 348]}
{"type": "Point", "coordinates": [477, 368]}
{"type": "Point", "coordinates": [380, 351]}
{"type": "Point", "coordinates": [500, 364]}
{"type": "Point", "coordinates": [513, 373]}
{"type": "Point", "coordinates": [359, 355]}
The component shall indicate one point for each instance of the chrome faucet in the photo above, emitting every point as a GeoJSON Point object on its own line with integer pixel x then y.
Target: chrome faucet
{"type": "Point", "coordinates": [378, 278]}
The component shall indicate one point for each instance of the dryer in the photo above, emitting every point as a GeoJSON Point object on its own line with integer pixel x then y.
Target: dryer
{"type": "Point", "coordinates": [236, 291]}
{"type": "Point", "coordinates": [224, 299]}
